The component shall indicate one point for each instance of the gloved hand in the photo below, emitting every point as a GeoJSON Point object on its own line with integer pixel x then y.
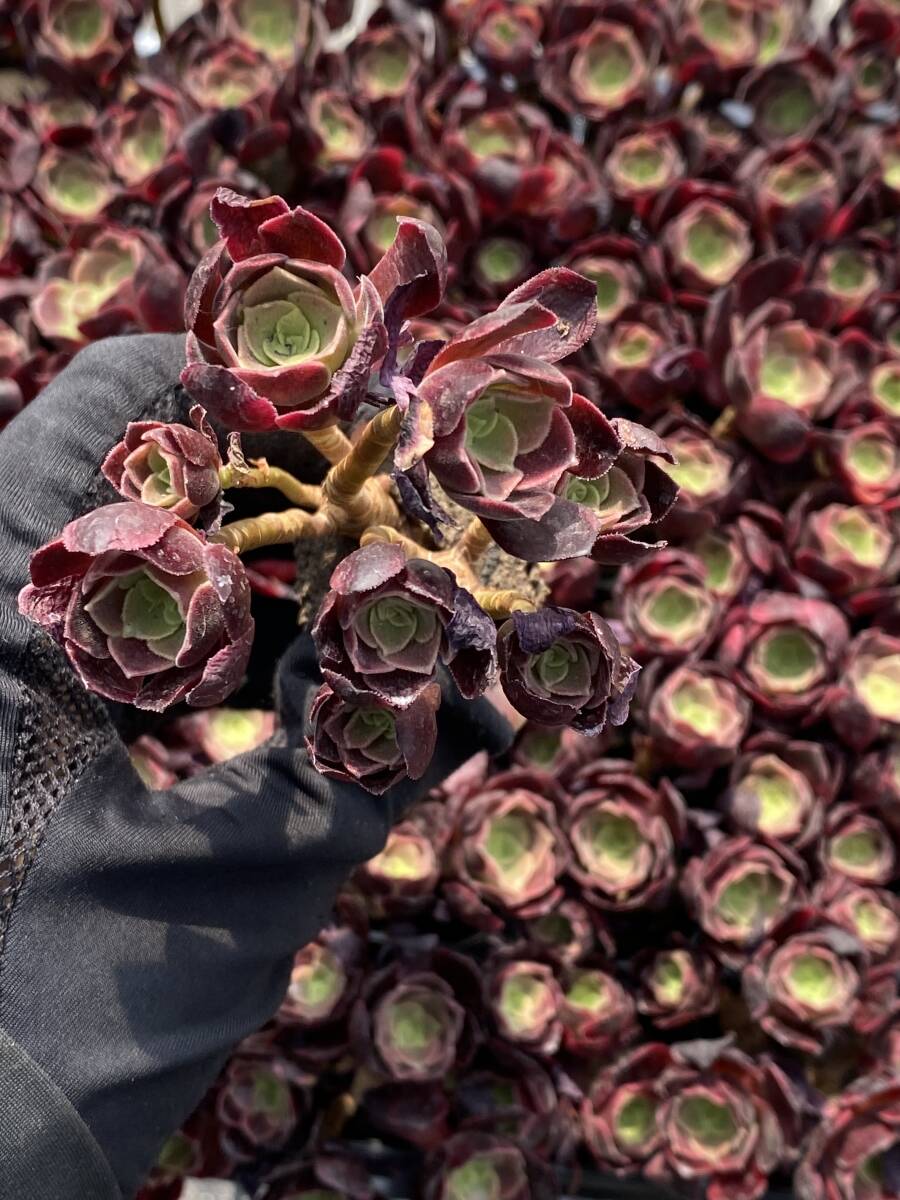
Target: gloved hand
{"type": "Point", "coordinates": [142, 934]}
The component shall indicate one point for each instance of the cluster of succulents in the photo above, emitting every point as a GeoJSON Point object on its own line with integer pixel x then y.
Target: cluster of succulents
{"type": "Point", "coordinates": [619, 283]}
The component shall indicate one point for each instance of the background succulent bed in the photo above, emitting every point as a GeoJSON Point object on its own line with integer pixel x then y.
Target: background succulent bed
{"type": "Point", "coordinates": [662, 957]}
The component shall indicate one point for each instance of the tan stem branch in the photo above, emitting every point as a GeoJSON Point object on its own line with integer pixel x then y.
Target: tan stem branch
{"type": "Point", "coordinates": [474, 542]}
{"type": "Point", "coordinates": [271, 529]}
{"type": "Point", "coordinates": [500, 604]}
{"type": "Point", "coordinates": [306, 495]}
{"type": "Point", "coordinates": [347, 479]}
{"type": "Point", "coordinates": [448, 559]}
{"type": "Point", "coordinates": [331, 443]}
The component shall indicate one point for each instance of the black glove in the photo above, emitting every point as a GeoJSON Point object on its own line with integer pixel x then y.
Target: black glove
{"type": "Point", "coordinates": [142, 934]}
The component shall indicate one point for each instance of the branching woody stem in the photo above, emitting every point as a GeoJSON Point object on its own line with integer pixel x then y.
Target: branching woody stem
{"type": "Point", "coordinates": [474, 542]}
{"type": "Point", "coordinates": [500, 604]}
{"type": "Point", "coordinates": [347, 478]}
{"type": "Point", "coordinates": [271, 529]}
{"type": "Point", "coordinates": [331, 443]}
{"type": "Point", "coordinates": [448, 559]}
{"type": "Point", "coordinates": [307, 495]}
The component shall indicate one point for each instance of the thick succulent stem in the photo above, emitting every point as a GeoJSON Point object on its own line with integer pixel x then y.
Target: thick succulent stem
{"type": "Point", "coordinates": [306, 495]}
{"type": "Point", "coordinates": [474, 542]}
{"type": "Point", "coordinates": [448, 559]}
{"type": "Point", "coordinates": [348, 477]}
{"type": "Point", "coordinates": [331, 443]}
{"type": "Point", "coordinates": [500, 604]}
{"type": "Point", "coordinates": [271, 529]}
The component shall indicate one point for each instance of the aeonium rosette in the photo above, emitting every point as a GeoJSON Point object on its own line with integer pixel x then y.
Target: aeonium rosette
{"type": "Point", "coordinates": [277, 336]}
{"type": "Point", "coordinates": [696, 717]}
{"type": "Point", "coordinates": [472, 1164]}
{"type": "Point", "coordinates": [871, 914]}
{"type": "Point", "coordinates": [416, 1020]}
{"type": "Point", "coordinates": [386, 625]}
{"type": "Point", "coordinates": [598, 1015]}
{"type": "Point", "coordinates": [858, 845]}
{"type": "Point", "coordinates": [855, 1150]}
{"type": "Point", "coordinates": [525, 999]}
{"type": "Point", "coordinates": [369, 743]}
{"type": "Point", "coordinates": [147, 610]}
{"type": "Point", "coordinates": [773, 360]}
{"type": "Point", "coordinates": [865, 704]}
{"type": "Point", "coordinates": [784, 651]}
{"type": "Point", "coordinates": [560, 667]}
{"type": "Point", "coordinates": [624, 836]}
{"type": "Point", "coordinates": [739, 890]}
{"type": "Point", "coordinates": [728, 1122]}
{"type": "Point", "coordinates": [699, 1113]}
{"type": "Point", "coordinates": [507, 854]}
{"type": "Point", "coordinates": [502, 431]}
{"type": "Point", "coordinates": [779, 789]}
{"type": "Point", "coordinates": [401, 879]}
{"type": "Point", "coordinates": [677, 986]}
{"type": "Point", "coordinates": [810, 979]}
{"type": "Point", "coordinates": [175, 467]}
{"type": "Point", "coordinates": [620, 1116]}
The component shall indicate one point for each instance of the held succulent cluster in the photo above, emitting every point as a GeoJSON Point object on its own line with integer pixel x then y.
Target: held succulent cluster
{"type": "Point", "coordinates": [614, 287]}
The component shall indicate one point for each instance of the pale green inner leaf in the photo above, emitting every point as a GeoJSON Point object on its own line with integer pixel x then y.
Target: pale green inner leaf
{"type": "Point", "coordinates": [393, 623]}
{"type": "Point", "coordinates": [476, 1179]}
{"type": "Point", "coordinates": [813, 980]}
{"type": "Point", "coordinates": [151, 613]}
{"type": "Point", "coordinates": [697, 704]}
{"type": "Point", "coordinates": [270, 1094]}
{"type": "Point", "coordinates": [523, 1001]}
{"type": "Point", "coordinates": [588, 992]}
{"type": "Point", "coordinates": [790, 109]}
{"type": "Point", "coordinates": [635, 1121]}
{"type": "Point", "coordinates": [413, 1028]}
{"type": "Point", "coordinates": [269, 25]}
{"type": "Point", "coordinates": [879, 686]}
{"type": "Point", "coordinates": [710, 1123]}
{"type": "Point", "coordinates": [752, 900]}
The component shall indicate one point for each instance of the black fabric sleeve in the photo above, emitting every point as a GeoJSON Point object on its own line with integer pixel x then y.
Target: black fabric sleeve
{"type": "Point", "coordinates": [142, 934]}
{"type": "Point", "coordinates": [75, 1167]}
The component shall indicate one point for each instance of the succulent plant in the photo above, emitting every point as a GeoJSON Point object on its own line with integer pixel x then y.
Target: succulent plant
{"type": "Point", "coordinates": [167, 619]}
{"type": "Point", "coordinates": [507, 853]}
{"type": "Point", "coordinates": [854, 1149]}
{"type": "Point", "coordinates": [667, 606]}
{"type": "Point", "coordinates": [278, 337]}
{"type": "Point", "coordinates": [858, 845]}
{"type": "Point", "coordinates": [728, 1122]}
{"type": "Point", "coordinates": [624, 836]}
{"type": "Point", "coordinates": [697, 717]}
{"type": "Point", "coordinates": [597, 1013]}
{"type": "Point", "coordinates": [779, 789]}
{"type": "Point", "coordinates": [111, 279]}
{"type": "Point", "coordinates": [173, 467]}
{"type": "Point", "coordinates": [866, 703]}
{"type": "Point", "coordinates": [806, 982]}
{"type": "Point", "coordinates": [677, 986]}
{"type": "Point", "coordinates": [367, 742]}
{"type": "Point", "coordinates": [740, 890]}
{"type": "Point", "coordinates": [473, 1163]}
{"type": "Point", "coordinates": [560, 667]}
{"type": "Point", "coordinates": [525, 1001]}
{"type": "Point", "coordinates": [401, 878]}
{"type": "Point", "coordinates": [259, 1104]}
{"type": "Point", "coordinates": [386, 624]}
{"type": "Point", "coordinates": [414, 1022]}
{"type": "Point", "coordinates": [872, 915]}
{"type": "Point", "coordinates": [845, 547]}
{"type": "Point", "coordinates": [784, 652]}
